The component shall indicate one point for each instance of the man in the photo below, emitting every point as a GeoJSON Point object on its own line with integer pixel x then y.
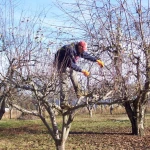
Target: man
{"type": "Point", "coordinates": [65, 59]}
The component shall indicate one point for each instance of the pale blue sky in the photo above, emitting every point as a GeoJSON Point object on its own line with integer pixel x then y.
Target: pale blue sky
{"type": "Point", "coordinates": [53, 16]}
{"type": "Point", "coordinates": [34, 6]}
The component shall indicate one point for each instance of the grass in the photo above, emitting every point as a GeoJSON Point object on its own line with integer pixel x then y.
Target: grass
{"type": "Point", "coordinates": [6, 123]}
{"type": "Point", "coordinates": [96, 123]}
{"type": "Point", "coordinates": [24, 134]}
{"type": "Point", "coordinates": [99, 132]}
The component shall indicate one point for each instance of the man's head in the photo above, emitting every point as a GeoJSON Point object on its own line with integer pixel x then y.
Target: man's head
{"type": "Point", "coordinates": [82, 46]}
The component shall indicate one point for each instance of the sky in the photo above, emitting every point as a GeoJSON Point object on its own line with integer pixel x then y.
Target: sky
{"type": "Point", "coordinates": [54, 16]}
{"type": "Point", "coordinates": [36, 6]}
{"type": "Point", "coordinates": [33, 6]}
{"type": "Point", "coordinates": [52, 11]}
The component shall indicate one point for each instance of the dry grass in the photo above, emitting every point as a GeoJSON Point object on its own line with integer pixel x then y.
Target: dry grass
{"type": "Point", "coordinates": [100, 132]}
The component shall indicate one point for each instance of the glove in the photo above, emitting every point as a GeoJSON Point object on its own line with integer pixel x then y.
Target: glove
{"type": "Point", "coordinates": [101, 63]}
{"type": "Point", "coordinates": [86, 73]}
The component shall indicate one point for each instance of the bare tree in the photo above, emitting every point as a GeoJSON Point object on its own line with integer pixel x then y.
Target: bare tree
{"type": "Point", "coordinates": [20, 42]}
{"type": "Point", "coordinates": [119, 33]}
{"type": "Point", "coordinates": [112, 35]}
{"type": "Point", "coordinates": [28, 70]}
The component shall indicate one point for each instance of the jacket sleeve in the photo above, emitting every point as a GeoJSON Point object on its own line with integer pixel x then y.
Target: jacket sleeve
{"type": "Point", "coordinates": [75, 67]}
{"type": "Point", "coordinates": [87, 56]}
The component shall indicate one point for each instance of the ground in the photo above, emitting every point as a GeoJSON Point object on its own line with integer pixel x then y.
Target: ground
{"type": "Point", "coordinates": [97, 133]}
{"type": "Point", "coordinates": [119, 139]}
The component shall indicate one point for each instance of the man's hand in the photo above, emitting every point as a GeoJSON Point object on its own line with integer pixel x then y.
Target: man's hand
{"type": "Point", "coordinates": [100, 63]}
{"type": "Point", "coordinates": [86, 73]}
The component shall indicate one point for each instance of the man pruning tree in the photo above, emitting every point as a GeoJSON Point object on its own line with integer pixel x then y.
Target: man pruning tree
{"type": "Point", "coordinates": [65, 61]}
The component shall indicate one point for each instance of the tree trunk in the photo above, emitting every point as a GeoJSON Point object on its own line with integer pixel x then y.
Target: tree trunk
{"type": "Point", "coordinates": [90, 109]}
{"type": "Point", "coordinates": [60, 145]}
{"type": "Point", "coordinates": [2, 107]}
{"type": "Point", "coordinates": [10, 113]}
{"type": "Point", "coordinates": [131, 116]}
{"type": "Point", "coordinates": [111, 109]}
{"type": "Point", "coordinates": [102, 107]}
{"type": "Point", "coordinates": [137, 118]}
{"type": "Point", "coordinates": [141, 120]}
{"type": "Point", "coordinates": [90, 113]}
{"type": "Point", "coordinates": [67, 120]}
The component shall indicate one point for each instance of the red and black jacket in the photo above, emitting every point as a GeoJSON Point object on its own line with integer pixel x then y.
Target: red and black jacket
{"type": "Point", "coordinates": [68, 55]}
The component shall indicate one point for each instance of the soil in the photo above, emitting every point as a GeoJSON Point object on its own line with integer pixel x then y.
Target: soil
{"type": "Point", "coordinates": [110, 139]}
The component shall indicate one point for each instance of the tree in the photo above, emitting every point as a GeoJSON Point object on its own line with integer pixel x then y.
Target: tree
{"type": "Point", "coordinates": [20, 42]}
{"type": "Point", "coordinates": [28, 70]}
{"type": "Point", "coordinates": [117, 32]}
{"type": "Point", "coordinates": [112, 35]}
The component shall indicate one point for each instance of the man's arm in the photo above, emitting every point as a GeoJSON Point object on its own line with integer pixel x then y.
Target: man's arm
{"type": "Point", "coordinates": [87, 56]}
{"type": "Point", "coordinates": [75, 67]}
